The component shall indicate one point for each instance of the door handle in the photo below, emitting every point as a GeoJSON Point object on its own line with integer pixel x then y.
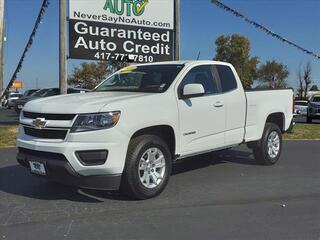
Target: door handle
{"type": "Point", "coordinates": [218, 104]}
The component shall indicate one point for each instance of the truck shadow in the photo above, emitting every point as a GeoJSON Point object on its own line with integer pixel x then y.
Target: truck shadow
{"type": "Point", "coordinates": [17, 180]}
{"type": "Point", "coordinates": [220, 157]}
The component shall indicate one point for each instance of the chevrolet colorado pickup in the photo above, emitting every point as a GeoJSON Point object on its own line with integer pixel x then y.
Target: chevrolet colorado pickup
{"type": "Point", "coordinates": [127, 132]}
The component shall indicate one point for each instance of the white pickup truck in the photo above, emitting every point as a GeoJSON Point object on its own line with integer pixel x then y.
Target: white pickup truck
{"type": "Point", "coordinates": [127, 132]}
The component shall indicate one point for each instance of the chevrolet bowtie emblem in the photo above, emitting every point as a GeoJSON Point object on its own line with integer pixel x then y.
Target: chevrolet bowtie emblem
{"type": "Point", "coordinates": [39, 123]}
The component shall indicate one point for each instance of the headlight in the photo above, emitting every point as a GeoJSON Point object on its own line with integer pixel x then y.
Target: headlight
{"type": "Point", "coordinates": [98, 121]}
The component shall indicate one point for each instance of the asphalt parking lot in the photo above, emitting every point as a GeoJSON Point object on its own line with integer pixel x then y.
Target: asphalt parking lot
{"type": "Point", "coordinates": [224, 195]}
{"type": "Point", "coordinates": [8, 116]}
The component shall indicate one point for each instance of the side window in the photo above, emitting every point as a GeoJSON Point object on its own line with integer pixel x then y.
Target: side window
{"type": "Point", "coordinates": [202, 75]}
{"type": "Point", "coordinates": [227, 78]}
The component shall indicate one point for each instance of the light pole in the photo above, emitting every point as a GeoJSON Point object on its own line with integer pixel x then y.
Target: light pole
{"type": "Point", "coordinates": [62, 47]}
{"type": "Point", "coordinates": [177, 30]}
{"type": "Point", "coordinates": [1, 44]}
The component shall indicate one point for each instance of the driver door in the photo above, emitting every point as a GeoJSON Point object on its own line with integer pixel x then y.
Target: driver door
{"type": "Point", "coordinates": [202, 118]}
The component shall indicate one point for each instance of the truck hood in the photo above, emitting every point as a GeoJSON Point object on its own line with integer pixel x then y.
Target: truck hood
{"type": "Point", "coordinates": [79, 103]}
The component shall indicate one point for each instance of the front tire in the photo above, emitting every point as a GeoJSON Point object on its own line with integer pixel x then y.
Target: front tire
{"type": "Point", "coordinates": [268, 149]}
{"type": "Point", "coordinates": [148, 167]}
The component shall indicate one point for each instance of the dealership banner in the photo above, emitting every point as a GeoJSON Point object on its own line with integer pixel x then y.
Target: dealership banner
{"type": "Point", "coordinates": [121, 30]}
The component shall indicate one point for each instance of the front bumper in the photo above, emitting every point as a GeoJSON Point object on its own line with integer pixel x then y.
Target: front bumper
{"type": "Point", "coordinates": [115, 142]}
{"type": "Point", "coordinates": [60, 153]}
{"type": "Point", "coordinates": [58, 169]}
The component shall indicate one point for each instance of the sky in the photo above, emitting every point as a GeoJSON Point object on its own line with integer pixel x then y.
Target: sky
{"type": "Point", "coordinates": [201, 23]}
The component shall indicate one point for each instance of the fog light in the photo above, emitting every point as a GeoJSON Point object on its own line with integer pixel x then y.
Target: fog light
{"type": "Point", "coordinates": [92, 158]}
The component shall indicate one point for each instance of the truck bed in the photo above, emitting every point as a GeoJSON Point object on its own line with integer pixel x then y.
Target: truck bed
{"type": "Point", "coordinates": [258, 110]}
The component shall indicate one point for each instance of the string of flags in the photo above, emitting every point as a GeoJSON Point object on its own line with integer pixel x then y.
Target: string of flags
{"type": "Point", "coordinates": [42, 11]}
{"type": "Point", "coordinates": [266, 30]}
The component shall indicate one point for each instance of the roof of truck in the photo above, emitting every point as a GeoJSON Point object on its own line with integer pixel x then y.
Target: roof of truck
{"type": "Point", "coordinates": [187, 62]}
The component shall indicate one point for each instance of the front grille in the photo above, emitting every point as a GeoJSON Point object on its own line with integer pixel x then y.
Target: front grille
{"type": "Point", "coordinates": [46, 133]}
{"type": "Point", "coordinates": [49, 116]}
{"type": "Point", "coordinates": [43, 155]}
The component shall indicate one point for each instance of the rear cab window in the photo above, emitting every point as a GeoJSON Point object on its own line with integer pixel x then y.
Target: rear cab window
{"type": "Point", "coordinates": [227, 79]}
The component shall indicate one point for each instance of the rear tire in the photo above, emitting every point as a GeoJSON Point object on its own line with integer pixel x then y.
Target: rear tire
{"type": "Point", "coordinates": [268, 149]}
{"type": "Point", "coordinates": [148, 167]}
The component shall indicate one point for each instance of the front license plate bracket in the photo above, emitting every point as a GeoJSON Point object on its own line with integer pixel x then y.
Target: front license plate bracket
{"type": "Point", "coordinates": [37, 168]}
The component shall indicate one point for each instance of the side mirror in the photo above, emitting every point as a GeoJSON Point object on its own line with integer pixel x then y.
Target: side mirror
{"type": "Point", "coordinates": [193, 90]}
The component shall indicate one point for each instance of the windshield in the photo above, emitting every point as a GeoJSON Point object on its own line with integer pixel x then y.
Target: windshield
{"type": "Point", "coordinates": [316, 99]}
{"type": "Point", "coordinates": [46, 92]}
{"type": "Point", "coordinates": [147, 78]}
{"type": "Point", "coordinates": [51, 92]}
{"type": "Point", "coordinates": [29, 93]}
{"type": "Point", "coordinates": [39, 93]}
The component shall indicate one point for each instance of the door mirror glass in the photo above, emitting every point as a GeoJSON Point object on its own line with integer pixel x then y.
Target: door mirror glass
{"type": "Point", "coordinates": [193, 90]}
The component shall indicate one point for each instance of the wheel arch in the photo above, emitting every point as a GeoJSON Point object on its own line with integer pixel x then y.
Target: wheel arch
{"type": "Point", "coordinates": [166, 132]}
{"type": "Point", "coordinates": [277, 118]}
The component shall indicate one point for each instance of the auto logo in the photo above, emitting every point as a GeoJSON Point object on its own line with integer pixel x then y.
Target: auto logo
{"type": "Point", "coordinates": [39, 123]}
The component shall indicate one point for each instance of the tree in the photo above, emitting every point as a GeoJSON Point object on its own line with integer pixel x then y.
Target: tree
{"type": "Point", "coordinates": [300, 82]}
{"type": "Point", "coordinates": [307, 77]}
{"type": "Point", "coordinates": [304, 79]}
{"type": "Point", "coordinates": [314, 88]}
{"type": "Point", "coordinates": [89, 75]}
{"type": "Point", "coordinates": [235, 49]}
{"type": "Point", "coordinates": [274, 74]}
